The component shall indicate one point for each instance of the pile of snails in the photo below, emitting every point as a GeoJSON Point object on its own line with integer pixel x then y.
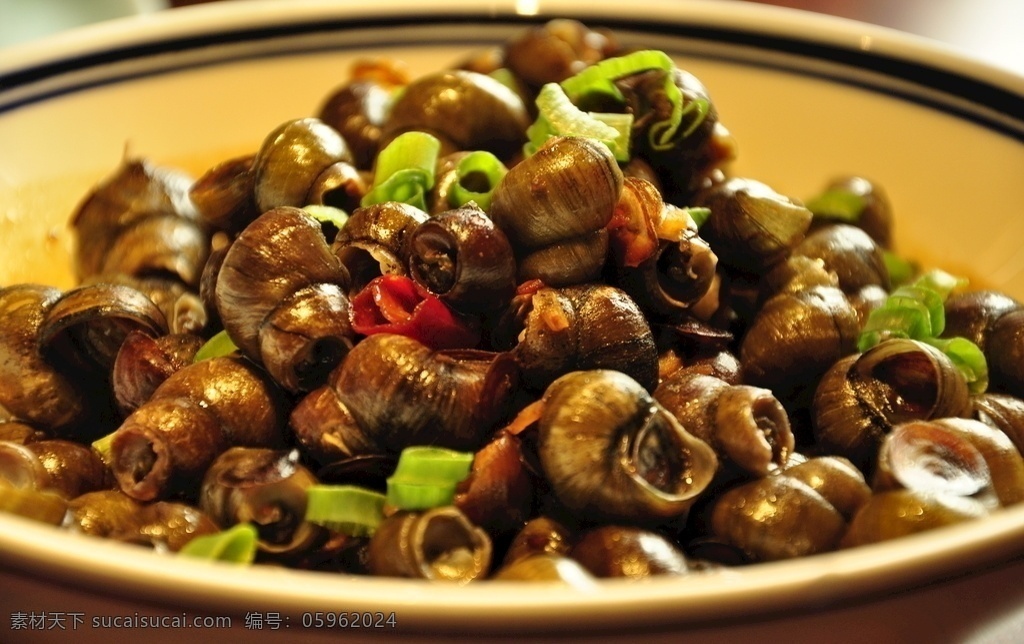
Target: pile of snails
{"type": "Point", "coordinates": [655, 363]}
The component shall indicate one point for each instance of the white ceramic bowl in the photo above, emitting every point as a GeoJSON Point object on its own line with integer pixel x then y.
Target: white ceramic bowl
{"type": "Point", "coordinates": [807, 97]}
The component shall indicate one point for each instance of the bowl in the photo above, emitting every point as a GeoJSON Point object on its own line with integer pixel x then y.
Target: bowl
{"type": "Point", "coordinates": [806, 96]}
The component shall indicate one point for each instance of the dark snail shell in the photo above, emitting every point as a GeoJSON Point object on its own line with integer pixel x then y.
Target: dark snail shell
{"type": "Point", "coordinates": [464, 259]}
{"type": "Point", "coordinates": [541, 535]}
{"type": "Point", "coordinates": [1002, 412]}
{"type": "Point", "coordinates": [164, 524]}
{"type": "Point", "coordinates": [751, 226]}
{"type": "Point", "coordinates": [777, 517]}
{"type": "Point", "coordinates": [281, 295]}
{"type": "Point", "coordinates": [326, 429]}
{"type": "Point", "coordinates": [547, 568]}
{"type": "Point", "coordinates": [375, 241]}
{"type": "Point", "coordinates": [612, 453]}
{"type": "Point", "coordinates": [31, 388]}
{"type": "Point", "coordinates": [897, 513]}
{"type": "Point", "coordinates": [65, 467]}
{"type": "Point", "coordinates": [746, 426]}
{"type": "Point", "coordinates": [440, 544]}
{"type": "Point", "coordinates": [223, 195]}
{"type": "Point", "coordinates": [795, 337]}
{"type": "Point", "coordinates": [266, 488]}
{"type": "Point", "coordinates": [849, 253]}
{"type": "Point", "coordinates": [143, 363]}
{"type": "Point", "coordinates": [291, 158]}
{"type": "Point", "coordinates": [464, 110]}
{"type": "Point", "coordinates": [862, 396]}
{"type": "Point", "coordinates": [403, 393]}
{"type": "Point", "coordinates": [88, 324]}
{"type": "Point", "coordinates": [836, 479]}
{"type": "Point", "coordinates": [167, 444]}
{"type": "Point", "coordinates": [678, 267]}
{"type": "Point", "coordinates": [590, 326]}
{"type": "Point", "coordinates": [626, 551]}
{"type": "Point", "coordinates": [358, 110]}
{"type": "Point", "coordinates": [182, 307]}
{"type": "Point", "coordinates": [140, 221]}
{"type": "Point", "coordinates": [498, 493]}
{"type": "Point", "coordinates": [931, 458]}
{"type": "Point", "coordinates": [562, 196]}
{"type": "Point", "coordinates": [994, 322]}
{"type": "Point", "coordinates": [556, 50]}
{"type": "Point", "coordinates": [875, 215]}
{"type": "Point", "coordinates": [1002, 456]}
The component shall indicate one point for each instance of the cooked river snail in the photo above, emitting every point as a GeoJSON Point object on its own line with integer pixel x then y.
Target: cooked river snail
{"type": "Point", "coordinates": [581, 349]}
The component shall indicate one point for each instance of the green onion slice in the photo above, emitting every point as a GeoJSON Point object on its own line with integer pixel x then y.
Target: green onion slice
{"type": "Point", "coordinates": [917, 311]}
{"type": "Point", "coordinates": [968, 357]}
{"type": "Point", "coordinates": [102, 446]}
{"type": "Point", "coordinates": [599, 79]}
{"type": "Point", "coordinates": [558, 116]}
{"type": "Point", "coordinates": [424, 463]}
{"type": "Point", "coordinates": [218, 346]}
{"type": "Point", "coordinates": [353, 510]}
{"type": "Point", "coordinates": [699, 215]}
{"type": "Point", "coordinates": [405, 170]}
{"type": "Point", "coordinates": [235, 545]}
{"type": "Point", "coordinates": [412, 494]}
{"type": "Point", "coordinates": [900, 270]}
{"type": "Point", "coordinates": [426, 477]}
{"type": "Point", "coordinates": [837, 204]}
{"type": "Point", "coordinates": [477, 174]}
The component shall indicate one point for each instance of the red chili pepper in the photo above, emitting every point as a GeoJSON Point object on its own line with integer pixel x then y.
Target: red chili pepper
{"type": "Point", "coordinates": [398, 304]}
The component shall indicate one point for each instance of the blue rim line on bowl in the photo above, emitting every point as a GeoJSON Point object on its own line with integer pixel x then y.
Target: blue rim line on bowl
{"type": "Point", "coordinates": [970, 98]}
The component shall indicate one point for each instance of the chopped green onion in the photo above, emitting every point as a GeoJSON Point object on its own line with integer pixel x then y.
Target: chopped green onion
{"type": "Point", "coordinates": [900, 270]}
{"type": "Point", "coordinates": [917, 311]}
{"type": "Point", "coordinates": [327, 214]}
{"type": "Point", "coordinates": [968, 357]}
{"type": "Point", "coordinates": [419, 495]}
{"type": "Point", "coordinates": [477, 174]}
{"type": "Point", "coordinates": [219, 345]}
{"type": "Point", "coordinates": [433, 464]}
{"type": "Point", "coordinates": [405, 170]}
{"type": "Point", "coordinates": [941, 282]}
{"type": "Point", "coordinates": [236, 545]}
{"type": "Point", "coordinates": [102, 446]}
{"type": "Point", "coordinates": [699, 215]}
{"type": "Point", "coordinates": [558, 116]}
{"type": "Point", "coordinates": [599, 79]}
{"type": "Point", "coordinates": [353, 510]}
{"type": "Point", "coordinates": [505, 76]}
{"type": "Point", "coordinates": [837, 204]}
{"type": "Point", "coordinates": [426, 477]}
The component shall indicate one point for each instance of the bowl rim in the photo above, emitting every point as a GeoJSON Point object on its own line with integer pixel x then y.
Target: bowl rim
{"type": "Point", "coordinates": [29, 548]}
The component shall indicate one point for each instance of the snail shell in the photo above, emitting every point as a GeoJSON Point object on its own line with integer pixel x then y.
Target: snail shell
{"type": "Point", "coordinates": [612, 453]}
{"type": "Point", "coordinates": [563, 194]}
{"type": "Point", "coordinates": [862, 396]}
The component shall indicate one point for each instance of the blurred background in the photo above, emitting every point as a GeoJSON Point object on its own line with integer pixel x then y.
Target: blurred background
{"type": "Point", "coordinates": [992, 30]}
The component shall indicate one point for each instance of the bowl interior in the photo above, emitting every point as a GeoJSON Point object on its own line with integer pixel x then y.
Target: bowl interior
{"type": "Point", "coordinates": [803, 99]}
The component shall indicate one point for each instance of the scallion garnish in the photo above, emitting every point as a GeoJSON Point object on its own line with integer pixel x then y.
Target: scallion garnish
{"type": "Point", "coordinates": [405, 170]}
{"type": "Point", "coordinates": [917, 311]}
{"type": "Point", "coordinates": [237, 544]}
{"type": "Point", "coordinates": [217, 346]}
{"type": "Point", "coordinates": [102, 446]}
{"type": "Point", "coordinates": [900, 270]}
{"type": "Point", "coordinates": [426, 477]}
{"type": "Point", "coordinates": [837, 204]}
{"type": "Point", "coordinates": [558, 116]}
{"type": "Point", "coordinates": [599, 79]}
{"type": "Point", "coordinates": [477, 174]}
{"type": "Point", "coordinates": [699, 215]}
{"type": "Point", "coordinates": [353, 510]}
